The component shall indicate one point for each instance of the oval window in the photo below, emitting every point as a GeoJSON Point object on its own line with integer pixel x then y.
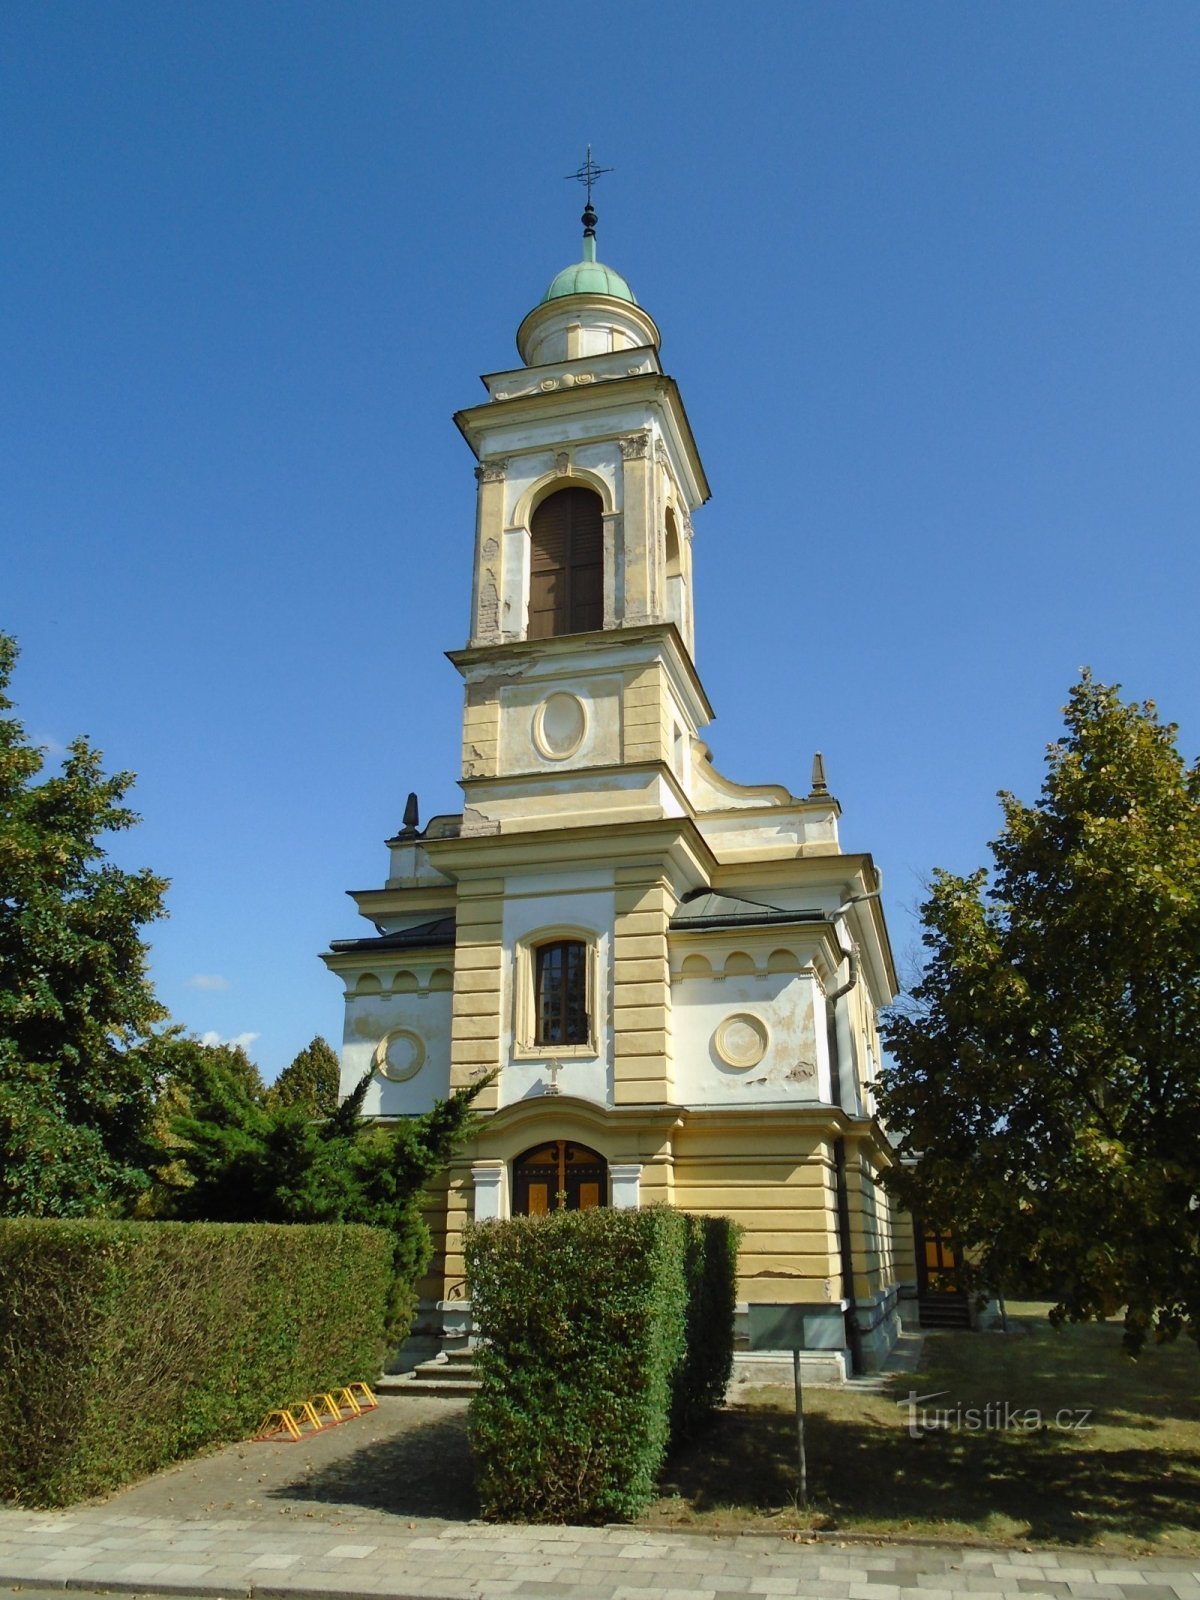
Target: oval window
{"type": "Point", "coordinates": [559, 725]}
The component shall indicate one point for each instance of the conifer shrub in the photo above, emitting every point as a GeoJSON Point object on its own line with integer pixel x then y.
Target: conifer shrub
{"type": "Point", "coordinates": [584, 1319]}
{"type": "Point", "coordinates": [127, 1345]}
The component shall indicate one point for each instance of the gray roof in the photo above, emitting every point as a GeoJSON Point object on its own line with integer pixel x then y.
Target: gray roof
{"type": "Point", "coordinates": [424, 935]}
{"type": "Point", "coordinates": [707, 909]}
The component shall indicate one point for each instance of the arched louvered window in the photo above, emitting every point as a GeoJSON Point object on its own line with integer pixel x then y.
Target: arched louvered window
{"type": "Point", "coordinates": [566, 572]}
{"type": "Point", "coordinates": [674, 573]}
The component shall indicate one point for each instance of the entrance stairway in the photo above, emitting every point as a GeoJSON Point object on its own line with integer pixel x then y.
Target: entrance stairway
{"type": "Point", "coordinates": [450, 1374]}
{"type": "Point", "coordinates": [944, 1311]}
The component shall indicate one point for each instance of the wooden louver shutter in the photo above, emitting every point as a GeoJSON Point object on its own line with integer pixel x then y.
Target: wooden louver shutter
{"type": "Point", "coordinates": [566, 576]}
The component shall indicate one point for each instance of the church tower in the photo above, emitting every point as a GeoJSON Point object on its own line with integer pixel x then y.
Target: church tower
{"type": "Point", "coordinates": [674, 977]}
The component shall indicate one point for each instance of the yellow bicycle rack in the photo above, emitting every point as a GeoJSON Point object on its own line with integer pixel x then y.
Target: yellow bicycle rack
{"type": "Point", "coordinates": [317, 1413]}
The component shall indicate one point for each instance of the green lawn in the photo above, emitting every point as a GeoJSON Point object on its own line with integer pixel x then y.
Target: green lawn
{"type": "Point", "coordinates": [1130, 1482]}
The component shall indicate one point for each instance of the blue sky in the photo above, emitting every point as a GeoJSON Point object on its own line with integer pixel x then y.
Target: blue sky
{"type": "Point", "coordinates": [926, 273]}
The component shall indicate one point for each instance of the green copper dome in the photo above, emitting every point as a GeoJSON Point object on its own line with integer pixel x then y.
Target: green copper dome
{"type": "Point", "coordinates": [589, 277]}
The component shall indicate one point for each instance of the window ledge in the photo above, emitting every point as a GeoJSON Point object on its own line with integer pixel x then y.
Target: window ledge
{"type": "Point", "coordinates": [555, 1052]}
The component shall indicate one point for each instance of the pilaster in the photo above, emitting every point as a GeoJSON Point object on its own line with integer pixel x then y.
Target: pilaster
{"type": "Point", "coordinates": [646, 736]}
{"type": "Point", "coordinates": [642, 987]}
{"type": "Point", "coordinates": [488, 586]}
{"type": "Point", "coordinates": [478, 986]}
{"type": "Point", "coordinates": [640, 533]}
{"type": "Point", "coordinates": [481, 733]}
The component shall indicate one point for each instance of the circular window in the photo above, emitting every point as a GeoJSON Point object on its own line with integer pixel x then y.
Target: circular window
{"type": "Point", "coordinates": [559, 725]}
{"type": "Point", "coordinates": [399, 1055]}
{"type": "Point", "coordinates": [741, 1040]}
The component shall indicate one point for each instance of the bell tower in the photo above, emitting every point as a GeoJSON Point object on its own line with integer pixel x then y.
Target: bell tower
{"type": "Point", "coordinates": [670, 978]}
{"type": "Point", "coordinates": [581, 650]}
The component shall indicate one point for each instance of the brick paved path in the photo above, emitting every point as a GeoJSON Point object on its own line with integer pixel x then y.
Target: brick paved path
{"type": "Point", "coordinates": [99, 1547]}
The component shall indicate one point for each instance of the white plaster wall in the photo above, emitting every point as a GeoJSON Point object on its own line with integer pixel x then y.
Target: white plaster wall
{"type": "Point", "coordinates": [552, 900]}
{"type": "Point", "coordinates": [516, 382]}
{"type": "Point", "coordinates": [597, 414]}
{"type": "Point", "coordinates": [575, 800]}
{"type": "Point", "coordinates": [368, 1018]}
{"type": "Point", "coordinates": [531, 467]}
{"type": "Point", "coordinates": [772, 828]}
{"type": "Point", "coordinates": [408, 867]}
{"type": "Point", "coordinates": [795, 1066]}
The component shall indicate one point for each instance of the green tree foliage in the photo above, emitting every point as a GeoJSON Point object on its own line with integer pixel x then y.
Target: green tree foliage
{"type": "Point", "coordinates": [237, 1155]}
{"type": "Point", "coordinates": [1047, 1066]}
{"type": "Point", "coordinates": [76, 1006]}
{"type": "Point", "coordinates": [310, 1081]}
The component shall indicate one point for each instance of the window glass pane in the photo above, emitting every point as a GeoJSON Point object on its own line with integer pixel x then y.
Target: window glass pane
{"type": "Point", "coordinates": [561, 993]}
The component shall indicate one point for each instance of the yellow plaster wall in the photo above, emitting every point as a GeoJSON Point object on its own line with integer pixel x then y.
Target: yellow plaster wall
{"type": "Point", "coordinates": [478, 986]}
{"type": "Point", "coordinates": [777, 1183]}
{"type": "Point", "coordinates": [871, 1223]}
{"type": "Point", "coordinates": [638, 530]}
{"type": "Point", "coordinates": [904, 1244]}
{"type": "Point", "coordinates": [481, 733]}
{"type": "Point", "coordinates": [459, 1205]}
{"type": "Point", "coordinates": [642, 987]}
{"type": "Point", "coordinates": [774, 1177]}
{"type": "Point", "coordinates": [433, 1208]}
{"type": "Point", "coordinates": [646, 715]}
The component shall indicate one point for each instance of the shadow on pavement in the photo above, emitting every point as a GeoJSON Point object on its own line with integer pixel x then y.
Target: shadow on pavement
{"type": "Point", "coordinates": [425, 1471]}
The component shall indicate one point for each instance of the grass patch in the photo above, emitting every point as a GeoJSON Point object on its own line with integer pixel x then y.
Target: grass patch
{"type": "Point", "coordinates": [1129, 1483]}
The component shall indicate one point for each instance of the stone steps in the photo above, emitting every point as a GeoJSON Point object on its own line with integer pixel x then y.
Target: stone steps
{"type": "Point", "coordinates": [944, 1311]}
{"type": "Point", "coordinates": [448, 1375]}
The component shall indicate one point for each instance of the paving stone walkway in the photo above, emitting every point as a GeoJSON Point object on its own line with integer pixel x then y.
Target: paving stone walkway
{"type": "Point", "coordinates": [385, 1506]}
{"type": "Point", "coordinates": [99, 1548]}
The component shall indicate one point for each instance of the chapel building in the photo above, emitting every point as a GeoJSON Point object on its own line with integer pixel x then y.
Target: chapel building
{"type": "Point", "coordinates": [675, 976]}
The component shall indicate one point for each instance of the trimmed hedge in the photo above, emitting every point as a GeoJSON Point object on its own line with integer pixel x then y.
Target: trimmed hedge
{"type": "Point", "coordinates": [606, 1334]}
{"type": "Point", "coordinates": [710, 1267]}
{"type": "Point", "coordinates": [128, 1345]}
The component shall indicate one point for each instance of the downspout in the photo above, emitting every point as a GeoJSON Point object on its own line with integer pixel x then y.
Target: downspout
{"type": "Point", "coordinates": [853, 1331]}
{"type": "Point", "coordinates": [845, 1246]}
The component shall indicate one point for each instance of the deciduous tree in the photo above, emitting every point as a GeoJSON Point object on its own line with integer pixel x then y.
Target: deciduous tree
{"type": "Point", "coordinates": [1046, 1071]}
{"type": "Point", "coordinates": [76, 1005]}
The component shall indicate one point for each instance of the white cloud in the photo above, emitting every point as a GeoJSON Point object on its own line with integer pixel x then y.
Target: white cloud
{"type": "Point", "coordinates": [208, 980]}
{"type": "Point", "coordinates": [213, 1038]}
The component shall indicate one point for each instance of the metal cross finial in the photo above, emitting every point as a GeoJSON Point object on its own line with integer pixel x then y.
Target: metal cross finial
{"type": "Point", "coordinates": [587, 175]}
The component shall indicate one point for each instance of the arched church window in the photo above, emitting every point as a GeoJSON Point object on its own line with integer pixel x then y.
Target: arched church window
{"type": "Point", "coordinates": [566, 569]}
{"type": "Point", "coordinates": [674, 571]}
{"type": "Point", "coordinates": [561, 992]}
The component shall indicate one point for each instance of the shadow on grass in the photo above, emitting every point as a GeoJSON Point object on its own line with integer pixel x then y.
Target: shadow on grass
{"type": "Point", "coordinates": [426, 1471]}
{"type": "Point", "coordinates": [861, 1472]}
{"type": "Point", "coordinates": [1134, 1476]}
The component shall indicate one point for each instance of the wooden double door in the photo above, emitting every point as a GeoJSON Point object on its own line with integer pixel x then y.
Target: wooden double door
{"type": "Point", "coordinates": [559, 1176]}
